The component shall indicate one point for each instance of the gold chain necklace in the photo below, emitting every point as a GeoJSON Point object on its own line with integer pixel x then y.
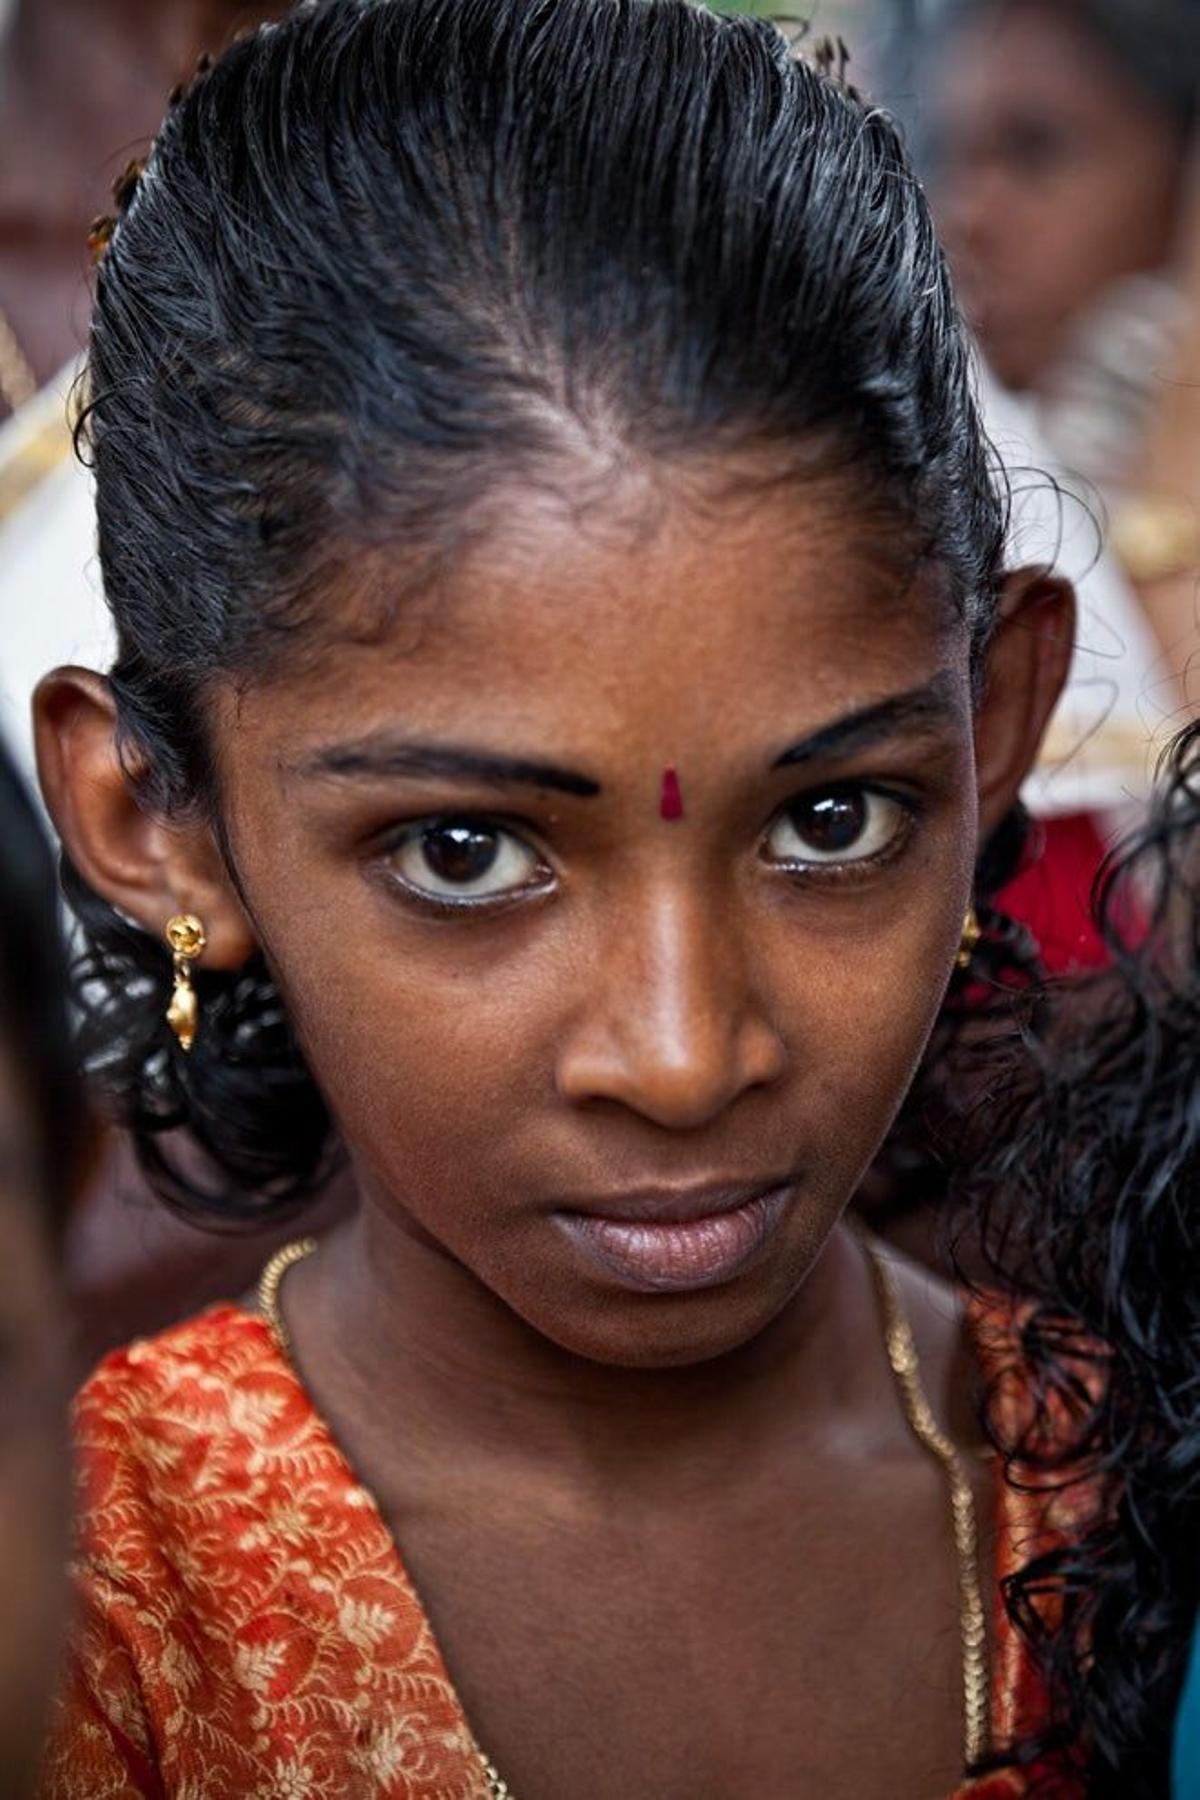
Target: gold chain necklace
{"type": "Point", "coordinates": [906, 1369]}
{"type": "Point", "coordinates": [18, 383]}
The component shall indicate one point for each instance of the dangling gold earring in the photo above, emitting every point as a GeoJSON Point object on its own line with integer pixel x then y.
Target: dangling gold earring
{"type": "Point", "coordinates": [187, 940]}
{"type": "Point", "coordinates": [971, 933]}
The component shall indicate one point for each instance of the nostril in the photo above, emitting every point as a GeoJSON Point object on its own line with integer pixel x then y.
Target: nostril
{"type": "Point", "coordinates": [681, 1086]}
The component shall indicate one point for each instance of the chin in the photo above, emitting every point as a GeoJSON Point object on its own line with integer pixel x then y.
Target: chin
{"type": "Point", "coordinates": [667, 1331]}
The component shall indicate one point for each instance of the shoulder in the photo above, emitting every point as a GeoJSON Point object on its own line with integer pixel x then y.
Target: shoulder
{"type": "Point", "coordinates": [1043, 1377]}
{"type": "Point", "coordinates": [1003, 1373]}
{"type": "Point", "coordinates": [224, 1338]}
{"type": "Point", "coordinates": [242, 1609]}
{"type": "Point", "coordinates": [183, 1381]}
{"type": "Point", "coordinates": [935, 1313]}
{"type": "Point", "coordinates": [1043, 1393]}
{"type": "Point", "coordinates": [189, 1413]}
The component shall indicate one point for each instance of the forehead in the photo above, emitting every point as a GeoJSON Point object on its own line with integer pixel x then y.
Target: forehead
{"type": "Point", "coordinates": [667, 604]}
{"type": "Point", "coordinates": [1029, 60]}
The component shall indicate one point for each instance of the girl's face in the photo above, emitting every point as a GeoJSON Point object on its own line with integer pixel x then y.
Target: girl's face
{"type": "Point", "coordinates": [612, 893]}
{"type": "Point", "coordinates": [541, 1010]}
{"type": "Point", "coordinates": [33, 1463]}
{"type": "Point", "coordinates": [1058, 178]}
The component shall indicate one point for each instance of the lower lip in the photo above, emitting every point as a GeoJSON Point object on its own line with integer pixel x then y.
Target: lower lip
{"type": "Point", "coordinates": [682, 1255]}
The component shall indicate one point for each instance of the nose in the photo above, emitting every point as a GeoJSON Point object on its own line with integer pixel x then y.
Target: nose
{"type": "Point", "coordinates": [670, 1027]}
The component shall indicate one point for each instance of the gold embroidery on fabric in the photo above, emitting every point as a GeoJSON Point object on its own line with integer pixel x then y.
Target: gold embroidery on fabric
{"type": "Point", "coordinates": [248, 1628]}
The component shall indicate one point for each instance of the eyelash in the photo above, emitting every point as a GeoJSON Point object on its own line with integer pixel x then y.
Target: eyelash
{"type": "Point", "coordinates": [829, 874]}
{"type": "Point", "coordinates": [430, 904]}
{"type": "Point", "coordinates": [798, 873]}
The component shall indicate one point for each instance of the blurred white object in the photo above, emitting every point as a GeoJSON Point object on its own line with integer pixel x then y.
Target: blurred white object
{"type": "Point", "coordinates": [1100, 395]}
{"type": "Point", "coordinates": [1119, 702]}
{"type": "Point", "coordinates": [51, 601]}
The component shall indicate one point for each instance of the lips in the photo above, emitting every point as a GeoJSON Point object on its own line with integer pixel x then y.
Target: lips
{"type": "Point", "coordinates": [672, 1241]}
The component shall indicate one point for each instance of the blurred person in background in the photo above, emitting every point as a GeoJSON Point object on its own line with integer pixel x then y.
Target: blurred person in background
{"type": "Point", "coordinates": [44, 1144]}
{"type": "Point", "coordinates": [82, 84]}
{"type": "Point", "coordinates": [82, 89]}
{"type": "Point", "coordinates": [1060, 136]}
{"type": "Point", "coordinates": [1062, 131]}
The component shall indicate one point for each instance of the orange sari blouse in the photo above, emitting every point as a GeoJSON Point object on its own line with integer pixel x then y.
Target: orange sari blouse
{"type": "Point", "coordinates": [247, 1627]}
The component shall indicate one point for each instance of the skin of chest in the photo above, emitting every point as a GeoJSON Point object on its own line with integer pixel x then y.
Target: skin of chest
{"type": "Point", "coordinates": [777, 1639]}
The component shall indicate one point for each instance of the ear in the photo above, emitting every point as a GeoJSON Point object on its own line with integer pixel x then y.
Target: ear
{"type": "Point", "coordinates": [147, 867]}
{"type": "Point", "coordinates": [1027, 666]}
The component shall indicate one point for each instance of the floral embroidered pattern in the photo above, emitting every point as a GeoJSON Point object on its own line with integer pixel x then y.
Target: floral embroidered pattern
{"type": "Point", "coordinates": [246, 1625]}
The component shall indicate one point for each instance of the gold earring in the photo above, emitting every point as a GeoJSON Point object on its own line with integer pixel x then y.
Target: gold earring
{"type": "Point", "coordinates": [971, 933]}
{"type": "Point", "coordinates": [187, 940]}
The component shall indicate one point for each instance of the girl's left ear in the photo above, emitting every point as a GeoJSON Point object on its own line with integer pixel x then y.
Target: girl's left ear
{"type": "Point", "coordinates": [1027, 666]}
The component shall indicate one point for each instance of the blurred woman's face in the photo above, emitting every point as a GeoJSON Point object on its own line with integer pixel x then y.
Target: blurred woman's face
{"type": "Point", "coordinates": [1057, 177]}
{"type": "Point", "coordinates": [33, 1462]}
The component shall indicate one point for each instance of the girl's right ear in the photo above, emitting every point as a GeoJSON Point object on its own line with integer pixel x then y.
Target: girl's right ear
{"type": "Point", "coordinates": [142, 865]}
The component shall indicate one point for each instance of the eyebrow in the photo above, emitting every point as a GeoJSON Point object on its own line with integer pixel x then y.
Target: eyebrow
{"type": "Point", "coordinates": [385, 757]}
{"type": "Point", "coordinates": [382, 758]}
{"type": "Point", "coordinates": [932, 705]}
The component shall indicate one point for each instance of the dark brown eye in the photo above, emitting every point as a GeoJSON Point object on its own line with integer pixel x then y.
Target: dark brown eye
{"type": "Point", "coordinates": [832, 824]}
{"type": "Point", "coordinates": [464, 859]}
{"type": "Point", "coordinates": [459, 854]}
{"type": "Point", "coordinates": [844, 825]}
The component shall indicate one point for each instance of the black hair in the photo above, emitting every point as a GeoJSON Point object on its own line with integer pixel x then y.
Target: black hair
{"type": "Point", "coordinates": [389, 254]}
{"type": "Point", "coordinates": [1154, 43]}
{"type": "Point", "coordinates": [35, 1033]}
{"type": "Point", "coordinates": [1087, 1174]}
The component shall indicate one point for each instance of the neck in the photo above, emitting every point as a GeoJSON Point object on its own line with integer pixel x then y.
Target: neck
{"type": "Point", "coordinates": [378, 1313]}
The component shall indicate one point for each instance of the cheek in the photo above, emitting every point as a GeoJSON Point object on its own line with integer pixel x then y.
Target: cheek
{"type": "Point", "coordinates": [416, 1054]}
{"type": "Point", "coordinates": [1040, 277]}
{"type": "Point", "coordinates": [424, 1062]}
{"type": "Point", "coordinates": [1107, 216]}
{"type": "Point", "coordinates": [1135, 212]}
{"type": "Point", "coordinates": [864, 1018]}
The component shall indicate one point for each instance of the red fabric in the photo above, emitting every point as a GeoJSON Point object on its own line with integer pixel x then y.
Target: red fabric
{"type": "Point", "coordinates": [1051, 894]}
{"type": "Point", "coordinates": [247, 1627]}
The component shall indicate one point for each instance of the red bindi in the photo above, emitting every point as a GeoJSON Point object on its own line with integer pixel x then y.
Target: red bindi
{"type": "Point", "coordinates": [670, 804]}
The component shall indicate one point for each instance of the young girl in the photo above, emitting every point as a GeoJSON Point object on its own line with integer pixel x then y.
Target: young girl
{"type": "Point", "coordinates": [566, 676]}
